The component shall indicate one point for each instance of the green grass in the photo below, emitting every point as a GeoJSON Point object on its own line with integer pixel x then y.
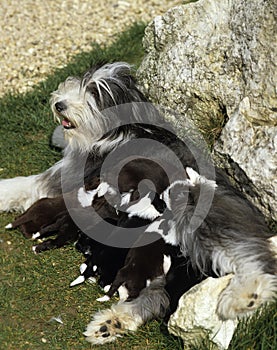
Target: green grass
{"type": "Point", "coordinates": [35, 288]}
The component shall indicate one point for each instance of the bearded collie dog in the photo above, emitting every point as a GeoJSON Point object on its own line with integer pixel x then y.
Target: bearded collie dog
{"type": "Point", "coordinates": [106, 119]}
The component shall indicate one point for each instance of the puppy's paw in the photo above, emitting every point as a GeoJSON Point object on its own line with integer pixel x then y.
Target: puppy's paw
{"type": "Point", "coordinates": [43, 246]}
{"type": "Point", "coordinates": [35, 236]}
{"type": "Point", "coordinates": [80, 279]}
{"type": "Point", "coordinates": [103, 299]}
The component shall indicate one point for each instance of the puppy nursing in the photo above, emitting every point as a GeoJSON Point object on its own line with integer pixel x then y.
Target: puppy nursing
{"type": "Point", "coordinates": [211, 248]}
{"type": "Point", "coordinates": [132, 213]}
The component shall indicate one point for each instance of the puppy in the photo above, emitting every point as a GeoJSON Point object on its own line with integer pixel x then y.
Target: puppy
{"type": "Point", "coordinates": [139, 270]}
{"type": "Point", "coordinates": [40, 214]}
{"type": "Point", "coordinates": [102, 261]}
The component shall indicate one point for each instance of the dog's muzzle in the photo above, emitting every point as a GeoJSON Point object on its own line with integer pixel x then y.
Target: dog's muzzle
{"type": "Point", "coordinates": [60, 108]}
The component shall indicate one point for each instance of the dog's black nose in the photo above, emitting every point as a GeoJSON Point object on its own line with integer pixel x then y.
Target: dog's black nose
{"type": "Point", "coordinates": [60, 106]}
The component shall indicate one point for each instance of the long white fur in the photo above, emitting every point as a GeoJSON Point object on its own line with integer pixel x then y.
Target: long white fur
{"type": "Point", "coordinates": [19, 193]}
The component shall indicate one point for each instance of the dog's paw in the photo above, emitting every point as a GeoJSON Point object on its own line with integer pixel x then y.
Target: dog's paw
{"type": "Point", "coordinates": [80, 279]}
{"type": "Point", "coordinates": [43, 246]}
{"type": "Point", "coordinates": [109, 324]}
{"type": "Point", "coordinates": [104, 328]}
{"type": "Point", "coordinates": [233, 306]}
{"type": "Point", "coordinates": [103, 299]}
{"type": "Point", "coordinates": [241, 297]}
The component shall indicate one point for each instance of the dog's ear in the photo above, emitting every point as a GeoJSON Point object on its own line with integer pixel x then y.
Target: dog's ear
{"type": "Point", "coordinates": [179, 197]}
{"type": "Point", "coordinates": [94, 67]}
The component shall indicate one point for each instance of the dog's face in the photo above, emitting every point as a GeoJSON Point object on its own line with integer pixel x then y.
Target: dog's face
{"type": "Point", "coordinates": [79, 103]}
{"type": "Point", "coordinates": [76, 105]}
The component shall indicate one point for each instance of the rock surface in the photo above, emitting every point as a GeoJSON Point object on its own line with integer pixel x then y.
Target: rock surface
{"type": "Point", "coordinates": [196, 314]}
{"type": "Point", "coordinates": [214, 62]}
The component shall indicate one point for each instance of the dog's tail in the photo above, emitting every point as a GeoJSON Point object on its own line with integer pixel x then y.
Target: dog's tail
{"type": "Point", "coordinates": [123, 317]}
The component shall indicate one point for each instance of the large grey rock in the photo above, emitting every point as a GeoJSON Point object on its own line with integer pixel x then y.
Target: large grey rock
{"type": "Point", "coordinates": [196, 315]}
{"type": "Point", "coordinates": [214, 62]}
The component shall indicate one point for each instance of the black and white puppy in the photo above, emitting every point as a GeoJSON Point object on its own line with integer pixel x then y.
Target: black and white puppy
{"type": "Point", "coordinates": [106, 258]}
{"type": "Point", "coordinates": [102, 261]}
{"type": "Point", "coordinates": [136, 206]}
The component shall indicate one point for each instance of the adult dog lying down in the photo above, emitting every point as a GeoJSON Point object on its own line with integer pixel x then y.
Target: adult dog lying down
{"type": "Point", "coordinates": [106, 119]}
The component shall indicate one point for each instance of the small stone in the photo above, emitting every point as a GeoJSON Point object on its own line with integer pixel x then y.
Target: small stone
{"type": "Point", "coordinates": [196, 314]}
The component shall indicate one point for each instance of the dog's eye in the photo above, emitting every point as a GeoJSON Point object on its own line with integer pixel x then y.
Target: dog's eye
{"type": "Point", "coordinates": [92, 89]}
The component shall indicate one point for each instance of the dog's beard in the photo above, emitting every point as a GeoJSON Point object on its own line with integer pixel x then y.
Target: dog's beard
{"type": "Point", "coordinates": [81, 118]}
